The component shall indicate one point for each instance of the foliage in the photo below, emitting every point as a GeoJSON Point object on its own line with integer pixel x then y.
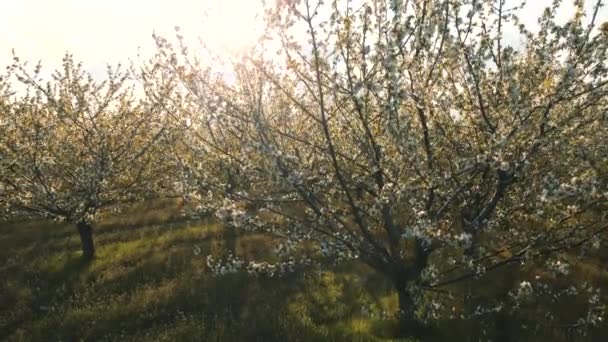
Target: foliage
{"type": "Point", "coordinates": [73, 146]}
{"type": "Point", "coordinates": [409, 135]}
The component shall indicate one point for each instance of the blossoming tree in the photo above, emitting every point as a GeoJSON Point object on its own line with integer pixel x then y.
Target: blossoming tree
{"type": "Point", "coordinates": [72, 146]}
{"type": "Point", "coordinates": [433, 140]}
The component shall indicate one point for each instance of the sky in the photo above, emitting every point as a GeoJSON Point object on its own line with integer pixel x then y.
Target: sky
{"type": "Point", "coordinates": [98, 32]}
{"type": "Point", "coordinates": [108, 31]}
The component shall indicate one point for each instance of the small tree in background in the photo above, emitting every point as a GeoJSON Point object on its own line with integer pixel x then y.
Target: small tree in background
{"type": "Point", "coordinates": [72, 146]}
{"type": "Point", "coordinates": [411, 136]}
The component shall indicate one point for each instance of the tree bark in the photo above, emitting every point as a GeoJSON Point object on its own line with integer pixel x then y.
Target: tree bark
{"type": "Point", "coordinates": [230, 237]}
{"type": "Point", "coordinates": [504, 327]}
{"type": "Point", "coordinates": [86, 238]}
{"type": "Point", "coordinates": [409, 325]}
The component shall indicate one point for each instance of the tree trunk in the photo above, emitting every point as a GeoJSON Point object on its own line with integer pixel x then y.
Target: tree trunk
{"type": "Point", "coordinates": [504, 327]}
{"type": "Point", "coordinates": [86, 238]}
{"type": "Point", "coordinates": [409, 325]}
{"type": "Point", "coordinates": [230, 237]}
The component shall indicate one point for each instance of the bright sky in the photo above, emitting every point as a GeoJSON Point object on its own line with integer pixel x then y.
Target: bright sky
{"type": "Point", "coordinates": [107, 31]}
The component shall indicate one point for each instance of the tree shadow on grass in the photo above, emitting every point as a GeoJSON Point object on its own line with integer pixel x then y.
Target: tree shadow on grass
{"type": "Point", "coordinates": [234, 307]}
{"type": "Point", "coordinates": [141, 282]}
{"type": "Point", "coordinates": [47, 289]}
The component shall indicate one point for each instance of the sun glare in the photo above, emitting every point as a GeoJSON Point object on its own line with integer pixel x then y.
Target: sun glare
{"type": "Point", "coordinates": [110, 31]}
{"type": "Point", "coordinates": [232, 25]}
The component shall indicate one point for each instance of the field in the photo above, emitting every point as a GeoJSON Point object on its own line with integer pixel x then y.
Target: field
{"type": "Point", "coordinates": [148, 282]}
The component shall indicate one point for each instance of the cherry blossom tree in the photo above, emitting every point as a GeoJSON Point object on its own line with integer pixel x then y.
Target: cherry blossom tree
{"type": "Point", "coordinates": [433, 140]}
{"type": "Point", "coordinates": [71, 147]}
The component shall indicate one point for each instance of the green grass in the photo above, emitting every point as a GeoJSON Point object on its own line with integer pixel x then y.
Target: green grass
{"type": "Point", "coordinates": [147, 284]}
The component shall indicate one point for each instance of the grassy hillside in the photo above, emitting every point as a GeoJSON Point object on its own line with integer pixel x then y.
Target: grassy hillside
{"type": "Point", "coordinates": [149, 283]}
